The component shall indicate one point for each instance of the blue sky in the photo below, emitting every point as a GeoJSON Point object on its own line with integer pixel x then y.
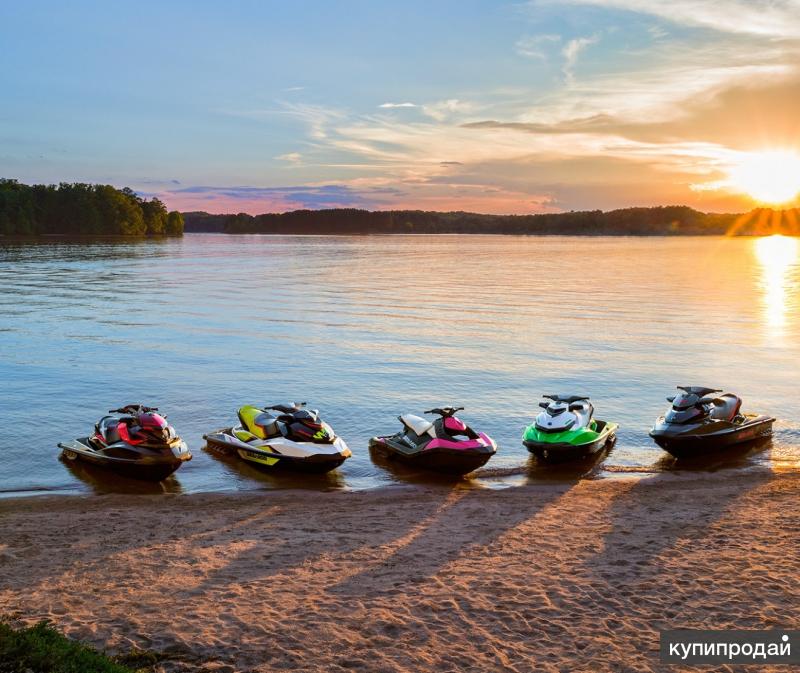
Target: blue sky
{"type": "Point", "coordinates": [485, 106]}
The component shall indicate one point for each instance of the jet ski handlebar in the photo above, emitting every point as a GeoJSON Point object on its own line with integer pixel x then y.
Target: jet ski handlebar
{"type": "Point", "coordinates": [705, 396]}
{"type": "Point", "coordinates": [567, 399]}
{"type": "Point", "coordinates": [133, 409]}
{"type": "Point", "coordinates": [700, 391]}
{"type": "Point", "coordinates": [573, 406]}
{"type": "Point", "coordinates": [445, 411]}
{"type": "Point", "coordinates": [295, 406]}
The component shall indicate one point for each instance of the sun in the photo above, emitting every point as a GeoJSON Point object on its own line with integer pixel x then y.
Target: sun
{"type": "Point", "coordinates": [771, 177]}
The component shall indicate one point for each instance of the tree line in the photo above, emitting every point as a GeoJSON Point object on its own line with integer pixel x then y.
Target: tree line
{"type": "Point", "coordinates": [83, 209]}
{"type": "Point", "coordinates": [655, 221]}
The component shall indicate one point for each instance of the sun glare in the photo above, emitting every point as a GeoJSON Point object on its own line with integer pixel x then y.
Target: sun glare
{"type": "Point", "coordinates": [768, 177]}
{"type": "Point", "coordinates": [777, 255]}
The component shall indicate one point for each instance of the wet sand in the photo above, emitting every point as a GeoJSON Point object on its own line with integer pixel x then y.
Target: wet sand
{"type": "Point", "coordinates": [547, 577]}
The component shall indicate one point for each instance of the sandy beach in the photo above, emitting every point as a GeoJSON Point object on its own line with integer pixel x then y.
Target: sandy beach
{"type": "Point", "coordinates": [556, 577]}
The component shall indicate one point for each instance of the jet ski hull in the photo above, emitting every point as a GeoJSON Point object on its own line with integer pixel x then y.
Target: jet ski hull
{"type": "Point", "coordinates": [698, 440]}
{"type": "Point", "coordinates": [265, 458]}
{"type": "Point", "coordinates": [155, 467]}
{"type": "Point", "coordinates": [562, 452]}
{"type": "Point", "coordinates": [441, 459]}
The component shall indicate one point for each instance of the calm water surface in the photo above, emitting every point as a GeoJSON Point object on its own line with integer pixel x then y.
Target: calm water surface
{"type": "Point", "coordinates": [365, 328]}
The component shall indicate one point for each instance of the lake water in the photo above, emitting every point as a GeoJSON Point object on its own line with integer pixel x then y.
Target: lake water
{"type": "Point", "coordinates": [365, 328]}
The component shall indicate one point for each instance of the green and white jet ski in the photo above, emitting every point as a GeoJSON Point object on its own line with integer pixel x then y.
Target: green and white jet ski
{"type": "Point", "coordinates": [282, 436]}
{"type": "Point", "coordinates": [566, 430]}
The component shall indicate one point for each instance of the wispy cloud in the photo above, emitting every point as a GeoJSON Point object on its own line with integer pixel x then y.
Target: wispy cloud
{"type": "Point", "coordinates": [290, 157]}
{"type": "Point", "coordinates": [444, 109]}
{"type": "Point", "coordinates": [536, 46]}
{"type": "Point", "coordinates": [250, 199]}
{"type": "Point", "coordinates": [156, 181]}
{"type": "Point", "coordinates": [775, 18]}
{"type": "Point", "coordinates": [316, 116]}
{"type": "Point", "coordinates": [571, 51]}
{"type": "Point", "coordinates": [396, 105]}
{"type": "Point", "coordinates": [657, 32]}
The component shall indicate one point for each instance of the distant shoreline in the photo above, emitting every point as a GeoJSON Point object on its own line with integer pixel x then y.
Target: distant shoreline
{"type": "Point", "coordinates": [655, 221]}
{"type": "Point", "coordinates": [68, 238]}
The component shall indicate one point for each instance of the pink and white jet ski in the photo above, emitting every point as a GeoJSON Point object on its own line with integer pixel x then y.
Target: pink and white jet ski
{"type": "Point", "coordinates": [445, 445]}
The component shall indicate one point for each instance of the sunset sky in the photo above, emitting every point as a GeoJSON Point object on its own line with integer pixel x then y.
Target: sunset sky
{"type": "Point", "coordinates": [481, 106]}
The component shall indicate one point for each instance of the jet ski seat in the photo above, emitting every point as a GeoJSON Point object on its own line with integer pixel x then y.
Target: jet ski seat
{"type": "Point", "coordinates": [108, 427]}
{"type": "Point", "coordinates": [107, 421]}
{"type": "Point", "coordinates": [726, 407]}
{"type": "Point", "coordinates": [583, 414]}
{"type": "Point", "coordinates": [416, 423]}
{"type": "Point", "coordinates": [260, 423]}
{"type": "Point", "coordinates": [267, 423]}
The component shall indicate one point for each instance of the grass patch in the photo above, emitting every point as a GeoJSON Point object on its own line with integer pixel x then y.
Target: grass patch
{"type": "Point", "coordinates": [42, 649]}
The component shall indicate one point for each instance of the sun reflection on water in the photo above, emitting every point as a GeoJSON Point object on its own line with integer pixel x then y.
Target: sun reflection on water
{"type": "Point", "coordinates": [777, 256]}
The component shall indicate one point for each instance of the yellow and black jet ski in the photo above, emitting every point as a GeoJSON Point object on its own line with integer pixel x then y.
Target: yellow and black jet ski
{"type": "Point", "coordinates": [282, 436]}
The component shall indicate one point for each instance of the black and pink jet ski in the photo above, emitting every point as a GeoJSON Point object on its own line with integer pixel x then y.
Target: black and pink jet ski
{"type": "Point", "coordinates": [445, 445]}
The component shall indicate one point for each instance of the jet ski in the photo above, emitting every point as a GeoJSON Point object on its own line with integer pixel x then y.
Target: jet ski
{"type": "Point", "coordinates": [566, 430]}
{"type": "Point", "coordinates": [136, 443]}
{"type": "Point", "coordinates": [701, 421]}
{"type": "Point", "coordinates": [282, 436]}
{"type": "Point", "coordinates": [445, 445]}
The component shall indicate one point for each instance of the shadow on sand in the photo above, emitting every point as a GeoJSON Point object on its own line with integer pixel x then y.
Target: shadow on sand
{"type": "Point", "coordinates": [443, 537]}
{"type": "Point", "coordinates": [688, 518]}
